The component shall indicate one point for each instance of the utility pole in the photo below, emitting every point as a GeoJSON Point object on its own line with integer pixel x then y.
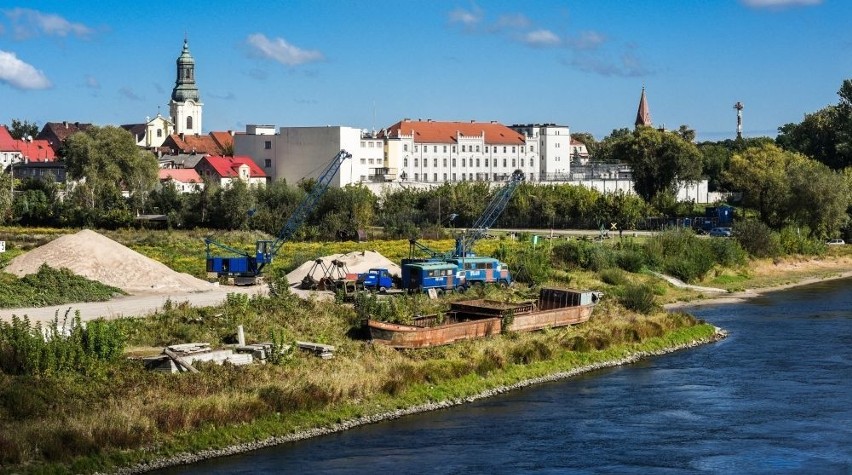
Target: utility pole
{"type": "Point", "coordinates": [739, 107]}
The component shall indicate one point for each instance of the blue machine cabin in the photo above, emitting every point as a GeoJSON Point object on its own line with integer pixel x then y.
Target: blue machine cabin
{"type": "Point", "coordinates": [482, 270]}
{"type": "Point", "coordinates": [422, 276]}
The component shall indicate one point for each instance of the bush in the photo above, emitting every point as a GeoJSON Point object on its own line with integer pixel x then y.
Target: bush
{"type": "Point", "coordinates": [756, 238]}
{"type": "Point", "coordinates": [728, 252]}
{"type": "Point", "coordinates": [613, 276]}
{"type": "Point", "coordinates": [631, 259]}
{"type": "Point", "coordinates": [798, 241]}
{"type": "Point", "coordinates": [584, 254]}
{"type": "Point", "coordinates": [681, 253]}
{"type": "Point", "coordinates": [638, 297]}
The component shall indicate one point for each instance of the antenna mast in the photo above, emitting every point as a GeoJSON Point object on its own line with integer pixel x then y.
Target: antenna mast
{"type": "Point", "coordinates": [739, 107]}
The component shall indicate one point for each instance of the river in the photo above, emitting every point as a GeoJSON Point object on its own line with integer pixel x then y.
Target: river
{"type": "Point", "coordinates": [774, 397]}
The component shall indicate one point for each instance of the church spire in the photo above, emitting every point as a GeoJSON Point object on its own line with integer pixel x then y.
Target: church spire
{"type": "Point", "coordinates": [185, 106]}
{"type": "Point", "coordinates": [643, 115]}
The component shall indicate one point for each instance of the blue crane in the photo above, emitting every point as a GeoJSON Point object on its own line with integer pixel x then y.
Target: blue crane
{"type": "Point", "coordinates": [464, 242]}
{"type": "Point", "coordinates": [244, 267]}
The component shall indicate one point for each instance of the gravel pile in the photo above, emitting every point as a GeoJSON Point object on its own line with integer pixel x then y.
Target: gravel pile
{"type": "Point", "coordinates": [357, 262]}
{"type": "Point", "coordinates": [97, 257]}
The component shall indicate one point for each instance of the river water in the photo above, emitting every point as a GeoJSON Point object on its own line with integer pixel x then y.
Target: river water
{"type": "Point", "coordinates": [774, 397]}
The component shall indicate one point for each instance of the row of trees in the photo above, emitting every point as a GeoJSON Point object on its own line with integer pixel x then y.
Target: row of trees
{"type": "Point", "coordinates": [802, 179]}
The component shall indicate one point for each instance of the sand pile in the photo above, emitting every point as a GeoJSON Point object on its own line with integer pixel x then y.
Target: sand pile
{"type": "Point", "coordinates": [356, 262]}
{"type": "Point", "coordinates": [99, 258]}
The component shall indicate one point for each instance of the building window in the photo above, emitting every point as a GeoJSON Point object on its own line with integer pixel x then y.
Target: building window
{"type": "Point", "coordinates": [159, 132]}
{"type": "Point", "coordinates": [416, 177]}
{"type": "Point", "coordinates": [445, 177]}
{"type": "Point", "coordinates": [454, 149]}
{"type": "Point", "coordinates": [486, 162]}
{"type": "Point", "coordinates": [363, 161]}
{"type": "Point", "coordinates": [522, 149]}
{"type": "Point", "coordinates": [454, 164]}
{"type": "Point", "coordinates": [463, 147]}
{"type": "Point", "coordinates": [405, 162]}
{"type": "Point", "coordinates": [445, 162]}
{"type": "Point", "coordinates": [405, 148]}
{"type": "Point", "coordinates": [434, 177]}
{"type": "Point", "coordinates": [445, 149]}
{"type": "Point", "coordinates": [415, 162]}
{"type": "Point", "coordinates": [464, 162]}
{"type": "Point", "coordinates": [435, 148]}
{"type": "Point", "coordinates": [477, 162]}
{"type": "Point", "coordinates": [426, 162]}
{"type": "Point", "coordinates": [513, 149]}
{"type": "Point", "coordinates": [425, 177]}
{"type": "Point", "coordinates": [454, 177]}
{"type": "Point", "coordinates": [513, 163]}
{"type": "Point", "coordinates": [532, 148]}
{"type": "Point", "coordinates": [522, 162]}
{"type": "Point", "coordinates": [504, 162]}
{"type": "Point", "coordinates": [268, 163]}
{"type": "Point", "coordinates": [435, 162]}
{"type": "Point", "coordinates": [267, 145]}
{"type": "Point", "coordinates": [415, 148]}
{"type": "Point", "coordinates": [189, 122]}
{"type": "Point", "coordinates": [477, 148]}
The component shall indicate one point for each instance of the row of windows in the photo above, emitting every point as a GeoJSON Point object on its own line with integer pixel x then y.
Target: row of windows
{"type": "Point", "coordinates": [371, 144]}
{"type": "Point", "coordinates": [464, 177]}
{"type": "Point", "coordinates": [466, 148]}
{"type": "Point", "coordinates": [371, 161]}
{"type": "Point", "coordinates": [463, 162]}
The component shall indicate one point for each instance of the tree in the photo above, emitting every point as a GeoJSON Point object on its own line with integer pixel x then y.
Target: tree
{"type": "Point", "coordinates": [109, 162]}
{"type": "Point", "coordinates": [761, 173]}
{"type": "Point", "coordinates": [587, 139]}
{"type": "Point", "coordinates": [686, 133]}
{"type": "Point", "coordinates": [233, 205]}
{"type": "Point", "coordinates": [659, 160]}
{"type": "Point", "coordinates": [715, 159]}
{"type": "Point", "coordinates": [603, 150]}
{"type": "Point", "coordinates": [825, 135]}
{"type": "Point", "coordinates": [819, 198]}
{"type": "Point", "coordinates": [5, 197]}
{"type": "Point", "coordinates": [23, 129]}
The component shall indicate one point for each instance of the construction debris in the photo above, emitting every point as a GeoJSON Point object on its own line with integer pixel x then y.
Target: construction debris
{"type": "Point", "coordinates": [323, 351]}
{"type": "Point", "coordinates": [177, 358]}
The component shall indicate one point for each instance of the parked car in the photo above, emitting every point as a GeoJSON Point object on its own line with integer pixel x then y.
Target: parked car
{"type": "Point", "coordinates": [835, 242]}
{"type": "Point", "coordinates": [720, 232]}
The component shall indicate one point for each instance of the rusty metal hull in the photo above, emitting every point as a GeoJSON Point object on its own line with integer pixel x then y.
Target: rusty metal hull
{"type": "Point", "coordinates": [416, 336]}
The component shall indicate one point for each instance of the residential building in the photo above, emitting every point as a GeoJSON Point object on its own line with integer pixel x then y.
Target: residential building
{"type": "Point", "coordinates": [53, 170]}
{"type": "Point", "coordinates": [185, 180]}
{"type": "Point", "coordinates": [152, 133]}
{"type": "Point", "coordinates": [438, 152]}
{"type": "Point", "coordinates": [297, 153]}
{"type": "Point", "coordinates": [185, 105]}
{"type": "Point", "coordinates": [579, 152]}
{"type": "Point", "coordinates": [214, 143]}
{"type": "Point", "coordinates": [56, 133]}
{"type": "Point", "coordinates": [225, 170]}
{"type": "Point", "coordinates": [21, 151]}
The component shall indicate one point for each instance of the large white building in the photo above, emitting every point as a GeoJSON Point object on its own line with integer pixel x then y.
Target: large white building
{"type": "Point", "coordinates": [296, 153]}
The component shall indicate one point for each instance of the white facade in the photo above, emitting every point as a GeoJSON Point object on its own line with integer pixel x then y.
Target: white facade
{"type": "Point", "coordinates": [554, 145]}
{"type": "Point", "coordinates": [297, 153]}
{"type": "Point", "coordinates": [186, 116]}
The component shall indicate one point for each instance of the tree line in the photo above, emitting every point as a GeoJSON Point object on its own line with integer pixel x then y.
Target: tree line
{"type": "Point", "coordinates": [802, 178]}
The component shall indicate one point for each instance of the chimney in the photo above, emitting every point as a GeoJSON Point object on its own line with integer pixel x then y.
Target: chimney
{"type": "Point", "coordinates": [65, 123]}
{"type": "Point", "coordinates": [472, 121]}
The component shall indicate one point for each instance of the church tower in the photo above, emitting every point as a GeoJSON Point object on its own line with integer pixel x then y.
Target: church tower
{"type": "Point", "coordinates": [185, 106]}
{"type": "Point", "coordinates": [643, 115]}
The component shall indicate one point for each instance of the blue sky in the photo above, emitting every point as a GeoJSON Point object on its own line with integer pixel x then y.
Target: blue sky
{"type": "Point", "coordinates": [368, 64]}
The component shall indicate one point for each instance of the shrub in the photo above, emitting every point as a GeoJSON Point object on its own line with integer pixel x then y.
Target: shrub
{"type": "Point", "coordinates": [798, 241]}
{"type": "Point", "coordinates": [681, 253]}
{"type": "Point", "coordinates": [756, 238]}
{"type": "Point", "coordinates": [613, 276]}
{"type": "Point", "coordinates": [584, 254]}
{"type": "Point", "coordinates": [638, 297]}
{"type": "Point", "coordinates": [631, 259]}
{"type": "Point", "coordinates": [530, 351]}
{"type": "Point", "coordinates": [728, 252]}
{"type": "Point", "coordinates": [492, 359]}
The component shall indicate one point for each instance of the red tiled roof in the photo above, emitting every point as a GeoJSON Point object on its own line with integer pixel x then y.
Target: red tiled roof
{"type": "Point", "coordinates": [61, 130]}
{"type": "Point", "coordinates": [576, 142]}
{"type": "Point", "coordinates": [224, 139]}
{"type": "Point", "coordinates": [32, 150]}
{"type": "Point", "coordinates": [193, 143]}
{"type": "Point", "coordinates": [226, 167]}
{"type": "Point", "coordinates": [183, 175]}
{"type": "Point", "coordinates": [448, 132]}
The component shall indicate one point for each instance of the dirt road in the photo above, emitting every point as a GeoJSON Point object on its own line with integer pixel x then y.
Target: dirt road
{"type": "Point", "coordinates": [131, 305]}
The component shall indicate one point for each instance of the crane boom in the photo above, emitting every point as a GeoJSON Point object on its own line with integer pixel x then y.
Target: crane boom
{"type": "Point", "coordinates": [245, 267]}
{"type": "Point", "coordinates": [495, 208]}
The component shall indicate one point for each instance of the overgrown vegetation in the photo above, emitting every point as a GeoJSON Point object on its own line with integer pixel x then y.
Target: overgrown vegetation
{"type": "Point", "coordinates": [51, 286]}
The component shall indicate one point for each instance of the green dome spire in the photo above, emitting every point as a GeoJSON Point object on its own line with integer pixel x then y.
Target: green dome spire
{"type": "Point", "coordinates": [185, 88]}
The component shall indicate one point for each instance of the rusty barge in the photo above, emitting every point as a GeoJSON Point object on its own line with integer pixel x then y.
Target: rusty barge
{"type": "Point", "coordinates": [471, 319]}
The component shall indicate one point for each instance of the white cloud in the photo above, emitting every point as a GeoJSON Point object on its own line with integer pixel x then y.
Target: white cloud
{"type": "Point", "coordinates": [129, 94]}
{"type": "Point", "coordinates": [27, 23]}
{"type": "Point", "coordinates": [280, 50]}
{"type": "Point", "coordinates": [467, 18]}
{"type": "Point", "coordinates": [19, 74]}
{"type": "Point", "coordinates": [541, 38]}
{"type": "Point", "coordinates": [586, 40]}
{"type": "Point", "coordinates": [779, 3]}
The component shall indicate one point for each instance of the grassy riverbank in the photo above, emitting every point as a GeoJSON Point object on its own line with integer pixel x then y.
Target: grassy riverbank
{"type": "Point", "coordinates": [112, 414]}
